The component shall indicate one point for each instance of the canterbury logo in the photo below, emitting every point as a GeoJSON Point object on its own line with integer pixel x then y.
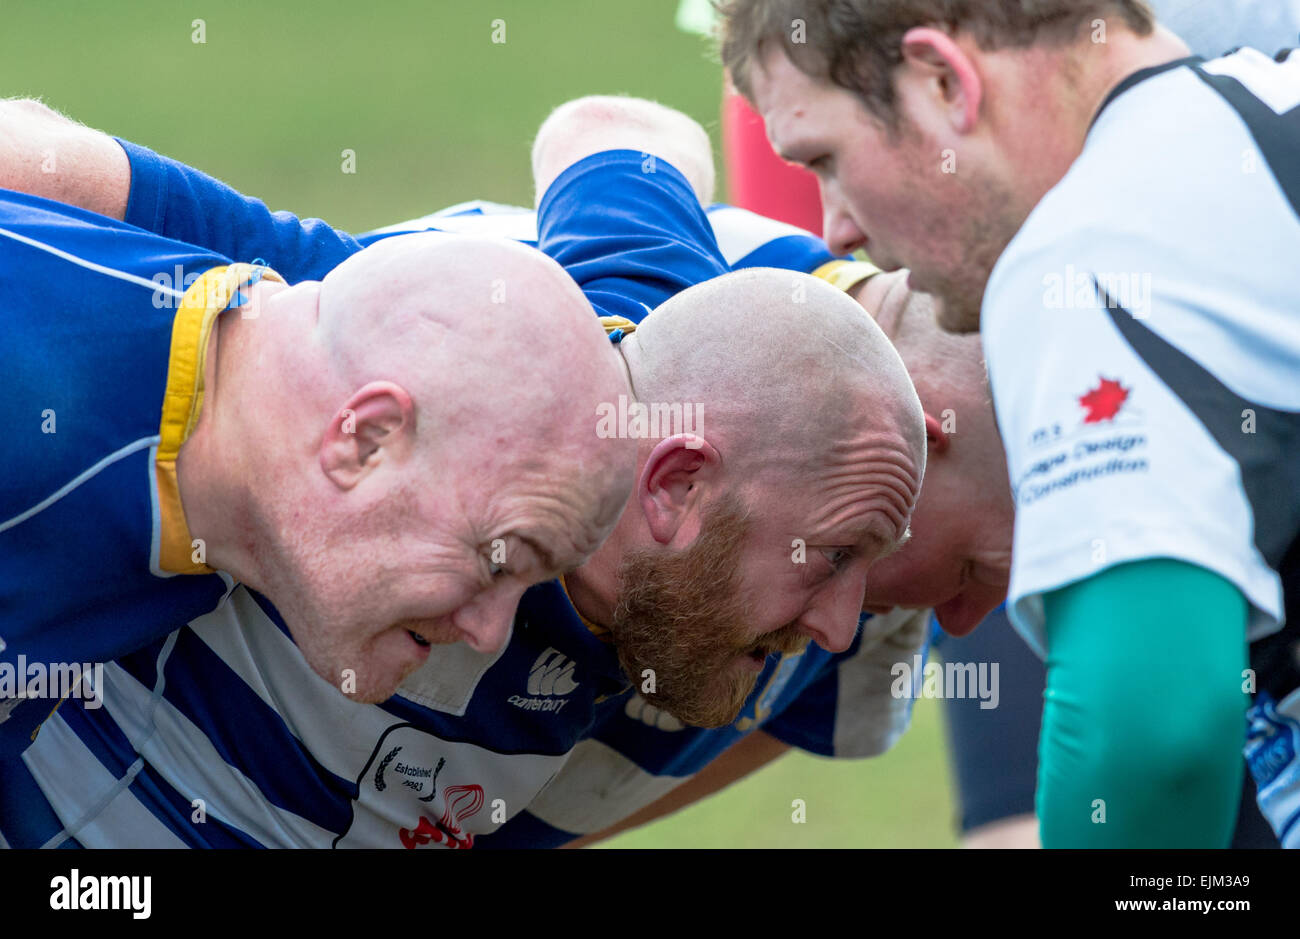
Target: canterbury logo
{"type": "Point", "coordinates": [551, 674]}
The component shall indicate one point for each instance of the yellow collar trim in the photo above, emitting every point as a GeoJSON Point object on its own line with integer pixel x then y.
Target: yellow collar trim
{"type": "Point", "coordinates": [612, 323]}
{"type": "Point", "coordinates": [205, 300]}
{"type": "Point", "coordinates": [845, 275]}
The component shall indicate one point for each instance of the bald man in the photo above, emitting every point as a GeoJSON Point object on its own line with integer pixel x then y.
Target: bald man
{"type": "Point", "coordinates": [323, 443]}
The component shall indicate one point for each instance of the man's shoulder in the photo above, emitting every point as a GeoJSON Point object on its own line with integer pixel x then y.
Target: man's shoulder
{"type": "Point", "coordinates": [1184, 144]}
{"type": "Point", "coordinates": [1172, 203]}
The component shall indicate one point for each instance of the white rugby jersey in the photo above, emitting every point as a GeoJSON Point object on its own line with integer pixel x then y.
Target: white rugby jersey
{"type": "Point", "coordinates": [1142, 334]}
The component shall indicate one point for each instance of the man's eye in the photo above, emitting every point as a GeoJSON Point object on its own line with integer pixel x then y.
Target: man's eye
{"type": "Point", "coordinates": [496, 570]}
{"type": "Point", "coordinates": [838, 558]}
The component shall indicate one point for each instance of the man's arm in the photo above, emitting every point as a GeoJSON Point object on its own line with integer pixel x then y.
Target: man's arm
{"type": "Point", "coordinates": [1143, 722]}
{"type": "Point", "coordinates": [739, 760]}
{"type": "Point", "coordinates": [43, 153]}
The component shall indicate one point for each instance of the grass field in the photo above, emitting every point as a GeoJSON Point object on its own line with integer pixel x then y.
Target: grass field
{"type": "Point", "coordinates": [436, 113]}
{"type": "Point", "coordinates": [899, 800]}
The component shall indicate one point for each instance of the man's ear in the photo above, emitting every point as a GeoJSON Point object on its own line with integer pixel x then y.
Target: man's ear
{"type": "Point", "coordinates": [670, 483]}
{"type": "Point", "coordinates": [378, 419]}
{"type": "Point", "coordinates": [935, 437]}
{"type": "Point", "coordinates": [947, 75]}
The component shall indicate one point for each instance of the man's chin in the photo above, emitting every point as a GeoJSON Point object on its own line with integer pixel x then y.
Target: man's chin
{"type": "Point", "coordinates": [960, 615]}
{"type": "Point", "coordinates": [957, 316]}
{"type": "Point", "coordinates": [720, 709]}
{"type": "Point", "coordinates": [374, 677]}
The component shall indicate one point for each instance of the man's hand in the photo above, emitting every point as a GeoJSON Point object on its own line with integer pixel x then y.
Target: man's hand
{"type": "Point", "coordinates": [43, 153]}
{"type": "Point", "coordinates": [577, 129]}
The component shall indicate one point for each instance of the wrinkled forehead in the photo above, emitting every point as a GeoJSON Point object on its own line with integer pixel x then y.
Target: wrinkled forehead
{"type": "Point", "coordinates": [565, 503]}
{"type": "Point", "coordinates": [857, 490]}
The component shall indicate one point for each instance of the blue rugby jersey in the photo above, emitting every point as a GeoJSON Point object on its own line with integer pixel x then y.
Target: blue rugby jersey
{"type": "Point", "coordinates": [99, 319]}
{"type": "Point", "coordinates": [180, 202]}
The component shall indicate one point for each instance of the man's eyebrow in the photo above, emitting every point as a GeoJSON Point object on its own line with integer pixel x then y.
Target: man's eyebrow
{"type": "Point", "coordinates": [543, 553]}
{"type": "Point", "coordinates": [874, 545]}
{"type": "Point", "coordinates": [871, 544]}
{"type": "Point", "coordinates": [885, 546]}
{"type": "Point", "coordinates": [878, 546]}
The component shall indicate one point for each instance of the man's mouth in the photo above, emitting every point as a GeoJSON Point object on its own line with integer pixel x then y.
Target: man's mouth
{"type": "Point", "coordinates": [760, 652]}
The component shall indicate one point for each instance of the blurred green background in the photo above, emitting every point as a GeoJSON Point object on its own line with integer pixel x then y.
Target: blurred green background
{"type": "Point", "coordinates": [436, 113]}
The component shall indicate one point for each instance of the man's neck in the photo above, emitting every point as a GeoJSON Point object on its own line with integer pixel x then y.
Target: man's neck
{"type": "Point", "coordinates": [1082, 78]}
{"type": "Point", "coordinates": [593, 587]}
{"type": "Point", "coordinates": [212, 467]}
{"type": "Point", "coordinates": [1133, 54]}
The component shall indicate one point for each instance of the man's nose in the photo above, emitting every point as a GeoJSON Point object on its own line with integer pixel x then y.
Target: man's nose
{"type": "Point", "coordinates": [832, 619]}
{"type": "Point", "coordinates": [838, 228]}
{"type": "Point", "coordinates": [487, 620]}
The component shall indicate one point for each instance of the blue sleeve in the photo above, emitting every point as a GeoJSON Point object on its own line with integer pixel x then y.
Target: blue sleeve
{"type": "Point", "coordinates": [181, 203]}
{"type": "Point", "coordinates": [630, 230]}
{"type": "Point", "coordinates": [809, 722]}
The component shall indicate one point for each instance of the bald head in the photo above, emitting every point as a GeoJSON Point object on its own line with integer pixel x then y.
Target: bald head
{"type": "Point", "coordinates": [583, 126]}
{"type": "Point", "coordinates": [424, 448]}
{"type": "Point", "coordinates": [783, 362]}
{"type": "Point", "coordinates": [754, 531]}
{"type": "Point", "coordinates": [945, 367]}
{"type": "Point", "coordinates": [491, 337]}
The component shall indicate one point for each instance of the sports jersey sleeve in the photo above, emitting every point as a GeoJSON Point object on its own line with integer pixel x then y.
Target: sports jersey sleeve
{"type": "Point", "coordinates": [1117, 448]}
{"type": "Point", "coordinates": [855, 708]}
{"type": "Point", "coordinates": [1162, 640]}
{"type": "Point", "coordinates": [630, 230]}
{"type": "Point", "coordinates": [748, 239]}
{"type": "Point", "coordinates": [177, 201]}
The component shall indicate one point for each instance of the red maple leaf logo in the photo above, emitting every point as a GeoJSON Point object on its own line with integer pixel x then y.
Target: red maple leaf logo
{"type": "Point", "coordinates": [1104, 401]}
